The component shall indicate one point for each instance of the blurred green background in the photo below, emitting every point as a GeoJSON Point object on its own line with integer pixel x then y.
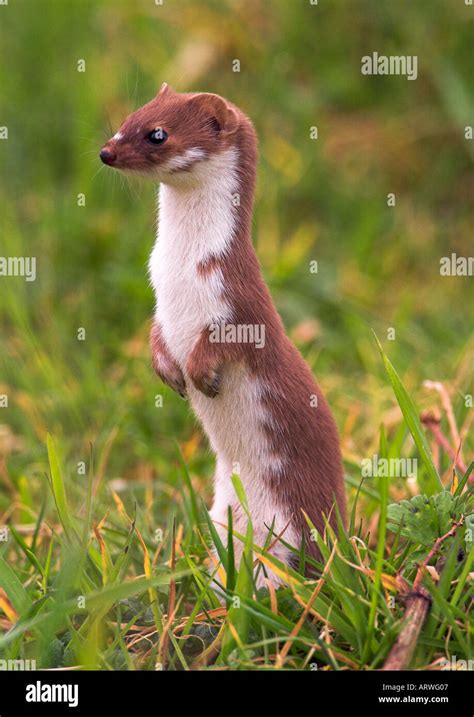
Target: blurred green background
{"type": "Point", "coordinates": [323, 200]}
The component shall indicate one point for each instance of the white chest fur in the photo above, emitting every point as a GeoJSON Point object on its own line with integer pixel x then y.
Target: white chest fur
{"type": "Point", "coordinates": [196, 222]}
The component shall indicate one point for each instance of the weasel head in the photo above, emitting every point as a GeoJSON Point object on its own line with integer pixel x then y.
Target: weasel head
{"type": "Point", "coordinates": [171, 138]}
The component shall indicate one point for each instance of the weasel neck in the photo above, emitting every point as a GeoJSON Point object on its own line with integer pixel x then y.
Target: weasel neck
{"type": "Point", "coordinates": [197, 219]}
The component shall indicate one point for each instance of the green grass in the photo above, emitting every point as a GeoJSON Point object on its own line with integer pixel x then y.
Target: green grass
{"type": "Point", "coordinates": [102, 599]}
{"type": "Point", "coordinates": [90, 572]}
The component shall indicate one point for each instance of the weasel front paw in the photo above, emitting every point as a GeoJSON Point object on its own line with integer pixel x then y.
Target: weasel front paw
{"type": "Point", "coordinates": [208, 383]}
{"type": "Point", "coordinates": [164, 364]}
{"type": "Point", "coordinates": [176, 382]}
{"type": "Point", "coordinates": [171, 374]}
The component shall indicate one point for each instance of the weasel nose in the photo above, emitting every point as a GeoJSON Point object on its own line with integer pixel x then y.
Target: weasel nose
{"type": "Point", "coordinates": [107, 156]}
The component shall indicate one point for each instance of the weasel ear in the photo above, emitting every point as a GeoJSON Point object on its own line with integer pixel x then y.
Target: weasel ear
{"type": "Point", "coordinates": [165, 89]}
{"type": "Point", "coordinates": [220, 112]}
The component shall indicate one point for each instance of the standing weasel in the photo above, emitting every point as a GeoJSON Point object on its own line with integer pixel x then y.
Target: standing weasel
{"type": "Point", "coordinates": [263, 413]}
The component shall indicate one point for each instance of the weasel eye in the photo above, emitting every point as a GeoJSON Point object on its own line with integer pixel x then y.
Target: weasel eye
{"type": "Point", "coordinates": [157, 136]}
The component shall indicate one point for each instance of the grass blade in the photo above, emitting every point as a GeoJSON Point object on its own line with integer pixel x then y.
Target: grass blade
{"type": "Point", "coordinates": [412, 420]}
{"type": "Point", "coordinates": [59, 491]}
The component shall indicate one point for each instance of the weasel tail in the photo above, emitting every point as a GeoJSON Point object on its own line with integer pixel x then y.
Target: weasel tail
{"type": "Point", "coordinates": [216, 336]}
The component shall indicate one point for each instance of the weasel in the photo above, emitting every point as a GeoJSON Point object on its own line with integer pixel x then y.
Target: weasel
{"type": "Point", "coordinates": [265, 417]}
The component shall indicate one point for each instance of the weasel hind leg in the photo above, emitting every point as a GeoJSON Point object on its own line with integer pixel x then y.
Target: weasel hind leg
{"type": "Point", "coordinates": [261, 537]}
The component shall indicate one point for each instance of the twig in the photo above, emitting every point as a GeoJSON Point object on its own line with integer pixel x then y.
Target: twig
{"type": "Point", "coordinates": [438, 542]}
{"type": "Point", "coordinates": [280, 658]}
{"type": "Point", "coordinates": [418, 603]}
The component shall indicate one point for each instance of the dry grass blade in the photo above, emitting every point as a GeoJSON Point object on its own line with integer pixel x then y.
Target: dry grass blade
{"type": "Point", "coordinates": [8, 609]}
{"type": "Point", "coordinates": [163, 648]}
{"type": "Point", "coordinates": [286, 647]}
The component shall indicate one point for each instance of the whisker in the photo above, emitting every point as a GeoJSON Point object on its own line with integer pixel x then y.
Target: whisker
{"type": "Point", "coordinates": [92, 127]}
{"type": "Point", "coordinates": [133, 192]}
{"type": "Point", "coordinates": [87, 139]}
{"type": "Point", "coordinates": [97, 172]}
{"type": "Point", "coordinates": [136, 86]}
{"type": "Point", "coordinates": [110, 123]}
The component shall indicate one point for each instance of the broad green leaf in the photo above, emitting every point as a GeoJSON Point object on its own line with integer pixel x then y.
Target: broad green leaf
{"type": "Point", "coordinates": [424, 519]}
